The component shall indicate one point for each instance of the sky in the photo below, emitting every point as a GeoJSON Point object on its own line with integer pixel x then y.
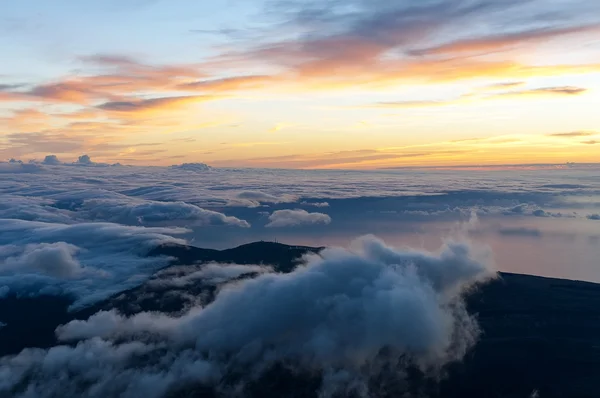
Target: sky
{"type": "Point", "coordinates": [404, 249]}
{"type": "Point", "coordinates": [327, 84]}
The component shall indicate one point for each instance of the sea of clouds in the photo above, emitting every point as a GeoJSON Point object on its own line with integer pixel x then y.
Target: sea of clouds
{"type": "Point", "coordinates": [85, 230]}
{"type": "Point", "coordinates": [97, 222]}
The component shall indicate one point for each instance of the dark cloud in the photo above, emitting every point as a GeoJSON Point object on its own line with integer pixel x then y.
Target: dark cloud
{"type": "Point", "coordinates": [9, 87]}
{"type": "Point", "coordinates": [595, 217]}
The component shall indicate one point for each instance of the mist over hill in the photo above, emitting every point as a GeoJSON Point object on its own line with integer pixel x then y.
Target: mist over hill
{"type": "Point", "coordinates": [267, 319]}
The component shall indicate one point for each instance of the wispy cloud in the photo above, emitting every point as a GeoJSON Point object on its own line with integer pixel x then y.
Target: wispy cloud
{"type": "Point", "coordinates": [503, 41]}
{"type": "Point", "coordinates": [545, 91]}
{"type": "Point", "coordinates": [572, 134]}
{"type": "Point", "coordinates": [137, 106]}
{"type": "Point", "coordinates": [474, 97]}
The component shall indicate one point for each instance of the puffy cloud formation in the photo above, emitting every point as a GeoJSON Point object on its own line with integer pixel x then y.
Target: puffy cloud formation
{"type": "Point", "coordinates": [84, 160]}
{"type": "Point", "coordinates": [291, 218]}
{"type": "Point", "coordinates": [336, 314]}
{"type": "Point", "coordinates": [192, 167]}
{"type": "Point", "coordinates": [51, 160]}
{"type": "Point", "coordinates": [90, 261]}
{"type": "Point", "coordinates": [52, 259]}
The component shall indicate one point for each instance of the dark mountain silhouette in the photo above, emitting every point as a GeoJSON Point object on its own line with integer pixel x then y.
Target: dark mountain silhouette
{"type": "Point", "coordinates": [539, 334]}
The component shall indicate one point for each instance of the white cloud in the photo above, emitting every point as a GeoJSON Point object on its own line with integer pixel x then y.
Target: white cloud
{"type": "Point", "coordinates": [334, 315]}
{"type": "Point", "coordinates": [256, 198]}
{"type": "Point", "coordinates": [52, 259]}
{"type": "Point", "coordinates": [88, 260]}
{"type": "Point", "coordinates": [315, 204]}
{"type": "Point", "coordinates": [132, 211]}
{"type": "Point", "coordinates": [291, 218]}
{"type": "Point", "coordinates": [192, 167]}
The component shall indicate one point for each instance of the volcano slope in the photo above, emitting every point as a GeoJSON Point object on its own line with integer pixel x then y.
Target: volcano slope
{"type": "Point", "coordinates": [540, 337]}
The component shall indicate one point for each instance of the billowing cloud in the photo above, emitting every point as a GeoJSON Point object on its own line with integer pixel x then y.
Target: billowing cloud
{"type": "Point", "coordinates": [52, 258]}
{"type": "Point", "coordinates": [84, 160]}
{"type": "Point", "coordinates": [334, 315]}
{"type": "Point", "coordinates": [297, 217]}
{"type": "Point", "coordinates": [51, 160]}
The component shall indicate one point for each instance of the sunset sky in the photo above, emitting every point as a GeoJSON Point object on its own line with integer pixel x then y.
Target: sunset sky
{"type": "Point", "coordinates": [301, 84]}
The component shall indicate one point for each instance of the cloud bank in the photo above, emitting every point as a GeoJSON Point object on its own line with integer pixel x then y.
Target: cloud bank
{"type": "Point", "coordinates": [89, 261]}
{"type": "Point", "coordinates": [333, 315]}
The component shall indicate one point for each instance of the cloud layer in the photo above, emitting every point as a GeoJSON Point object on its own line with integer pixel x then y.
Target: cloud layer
{"type": "Point", "coordinates": [89, 261]}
